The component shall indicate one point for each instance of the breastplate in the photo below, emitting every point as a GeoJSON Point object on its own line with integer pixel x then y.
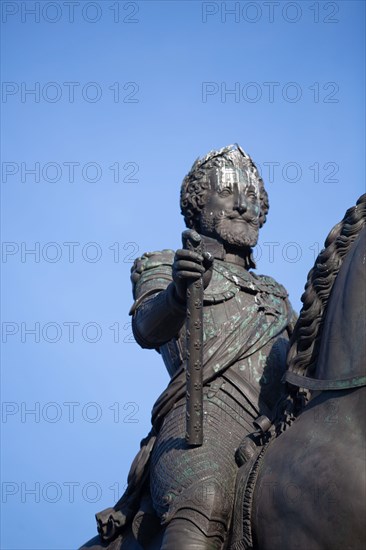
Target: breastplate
{"type": "Point", "coordinates": [232, 294]}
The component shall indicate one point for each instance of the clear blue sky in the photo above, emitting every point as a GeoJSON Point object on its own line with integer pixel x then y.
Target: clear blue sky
{"type": "Point", "coordinates": [144, 88]}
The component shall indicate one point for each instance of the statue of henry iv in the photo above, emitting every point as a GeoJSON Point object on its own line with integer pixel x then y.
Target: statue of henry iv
{"type": "Point", "coordinates": [223, 334]}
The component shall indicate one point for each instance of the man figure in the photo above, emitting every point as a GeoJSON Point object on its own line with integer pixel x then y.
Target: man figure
{"type": "Point", "coordinates": [247, 320]}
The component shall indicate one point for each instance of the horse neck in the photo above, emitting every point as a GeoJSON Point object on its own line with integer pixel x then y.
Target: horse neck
{"type": "Point", "coordinates": [343, 345]}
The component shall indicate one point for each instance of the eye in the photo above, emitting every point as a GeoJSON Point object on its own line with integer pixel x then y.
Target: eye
{"type": "Point", "coordinates": [252, 194]}
{"type": "Point", "coordinates": [226, 192]}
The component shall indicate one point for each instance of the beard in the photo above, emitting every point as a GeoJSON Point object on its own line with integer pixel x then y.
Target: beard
{"type": "Point", "coordinates": [236, 231]}
{"type": "Point", "coordinates": [238, 234]}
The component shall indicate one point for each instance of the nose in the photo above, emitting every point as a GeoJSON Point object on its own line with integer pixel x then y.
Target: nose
{"type": "Point", "coordinates": [241, 202]}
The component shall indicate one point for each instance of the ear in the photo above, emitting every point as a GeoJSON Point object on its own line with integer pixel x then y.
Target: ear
{"type": "Point", "coordinates": [264, 207]}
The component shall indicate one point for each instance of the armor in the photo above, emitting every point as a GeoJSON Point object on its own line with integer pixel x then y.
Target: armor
{"type": "Point", "coordinates": [247, 320]}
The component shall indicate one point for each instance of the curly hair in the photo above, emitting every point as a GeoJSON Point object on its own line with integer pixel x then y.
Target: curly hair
{"type": "Point", "coordinates": [306, 338]}
{"type": "Point", "coordinates": [196, 184]}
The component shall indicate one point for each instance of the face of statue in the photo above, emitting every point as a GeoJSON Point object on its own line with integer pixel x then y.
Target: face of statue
{"type": "Point", "coordinates": [231, 211]}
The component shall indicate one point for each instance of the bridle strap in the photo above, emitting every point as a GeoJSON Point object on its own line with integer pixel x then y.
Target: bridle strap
{"type": "Point", "coordinates": [317, 384]}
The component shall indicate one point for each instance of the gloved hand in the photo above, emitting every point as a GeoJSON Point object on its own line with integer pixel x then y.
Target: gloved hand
{"type": "Point", "coordinates": [189, 266]}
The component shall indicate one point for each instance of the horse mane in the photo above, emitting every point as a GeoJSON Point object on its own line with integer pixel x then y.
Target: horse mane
{"type": "Point", "coordinates": [306, 338]}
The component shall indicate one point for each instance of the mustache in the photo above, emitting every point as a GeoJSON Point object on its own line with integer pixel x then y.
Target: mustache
{"type": "Point", "coordinates": [245, 218]}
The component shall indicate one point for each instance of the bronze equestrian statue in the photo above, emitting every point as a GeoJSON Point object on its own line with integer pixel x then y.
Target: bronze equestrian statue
{"type": "Point", "coordinates": [304, 485]}
{"type": "Point", "coordinates": [181, 485]}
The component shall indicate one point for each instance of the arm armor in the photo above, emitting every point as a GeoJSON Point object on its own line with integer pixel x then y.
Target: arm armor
{"type": "Point", "coordinates": [158, 318]}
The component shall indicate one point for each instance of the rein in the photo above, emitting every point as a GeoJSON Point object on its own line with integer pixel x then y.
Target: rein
{"type": "Point", "coordinates": [319, 384]}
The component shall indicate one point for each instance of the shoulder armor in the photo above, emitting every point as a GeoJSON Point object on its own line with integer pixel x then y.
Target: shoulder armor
{"type": "Point", "coordinates": [270, 285]}
{"type": "Point", "coordinates": [151, 271]}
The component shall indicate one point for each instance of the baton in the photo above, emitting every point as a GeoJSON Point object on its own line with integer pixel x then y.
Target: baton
{"type": "Point", "coordinates": [194, 348]}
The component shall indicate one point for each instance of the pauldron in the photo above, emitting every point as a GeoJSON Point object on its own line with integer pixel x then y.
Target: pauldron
{"type": "Point", "coordinates": [152, 273]}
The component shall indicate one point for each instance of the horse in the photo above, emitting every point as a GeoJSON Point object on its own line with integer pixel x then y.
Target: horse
{"type": "Point", "coordinates": [304, 486]}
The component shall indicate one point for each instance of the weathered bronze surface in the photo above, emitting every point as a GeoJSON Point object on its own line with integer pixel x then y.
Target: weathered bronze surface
{"type": "Point", "coordinates": [226, 363]}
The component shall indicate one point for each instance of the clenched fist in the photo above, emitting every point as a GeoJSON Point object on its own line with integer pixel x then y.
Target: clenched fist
{"type": "Point", "coordinates": [189, 266]}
